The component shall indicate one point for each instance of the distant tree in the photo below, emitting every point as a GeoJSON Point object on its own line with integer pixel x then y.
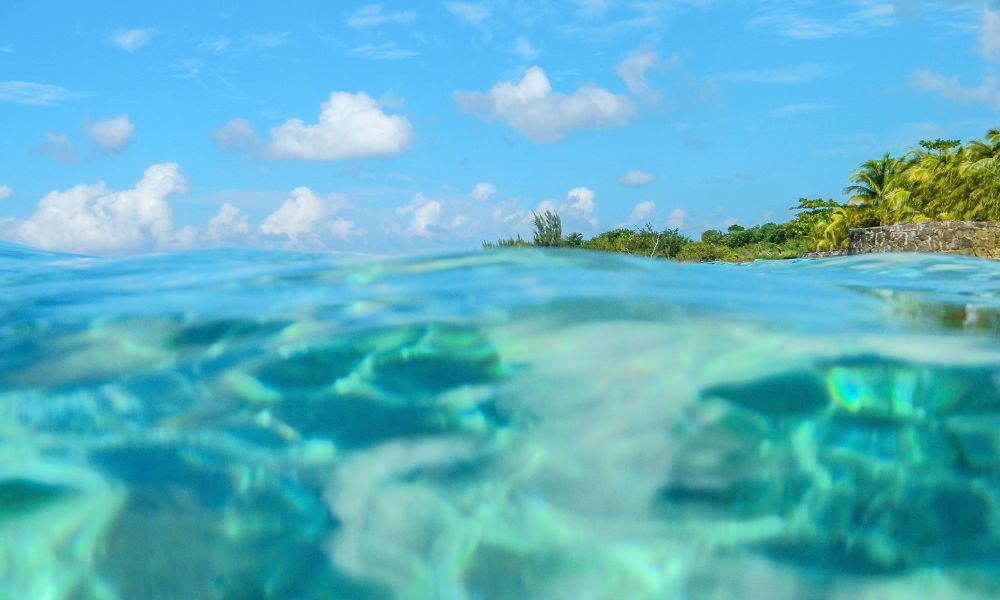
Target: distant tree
{"type": "Point", "coordinates": [507, 243]}
{"type": "Point", "coordinates": [702, 252]}
{"type": "Point", "coordinates": [548, 229]}
{"type": "Point", "coordinates": [670, 243]}
{"type": "Point", "coordinates": [811, 212]}
{"type": "Point", "coordinates": [616, 240]}
{"type": "Point", "coordinates": [713, 236]}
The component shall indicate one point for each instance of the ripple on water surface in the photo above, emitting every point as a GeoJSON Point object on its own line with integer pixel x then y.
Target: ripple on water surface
{"type": "Point", "coordinates": [498, 425]}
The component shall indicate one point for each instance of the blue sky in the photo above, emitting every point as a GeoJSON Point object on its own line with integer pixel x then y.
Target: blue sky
{"type": "Point", "coordinates": [402, 127]}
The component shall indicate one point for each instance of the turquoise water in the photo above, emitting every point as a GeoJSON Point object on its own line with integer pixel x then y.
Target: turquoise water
{"type": "Point", "coordinates": [502, 425]}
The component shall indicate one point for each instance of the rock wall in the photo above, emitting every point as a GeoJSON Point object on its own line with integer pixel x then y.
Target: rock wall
{"type": "Point", "coordinates": [970, 238]}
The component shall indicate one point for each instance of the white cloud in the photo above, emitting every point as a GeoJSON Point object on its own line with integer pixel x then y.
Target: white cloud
{"type": "Point", "coordinates": [59, 147]}
{"type": "Point", "coordinates": [5, 191]}
{"type": "Point", "coordinates": [989, 32]}
{"type": "Point", "coordinates": [786, 21]}
{"type": "Point", "coordinates": [111, 135]}
{"type": "Point", "coordinates": [642, 211]}
{"type": "Point", "coordinates": [471, 12]}
{"type": "Point", "coordinates": [27, 92]}
{"type": "Point", "coordinates": [305, 219]}
{"type": "Point", "coordinates": [988, 92]}
{"type": "Point", "coordinates": [345, 229]}
{"type": "Point", "coordinates": [633, 70]}
{"type": "Point", "coordinates": [797, 109]}
{"type": "Point", "coordinates": [636, 177]}
{"type": "Point", "coordinates": [579, 204]}
{"type": "Point", "coordinates": [371, 15]}
{"type": "Point", "coordinates": [533, 109]}
{"type": "Point", "coordinates": [524, 49]}
{"type": "Point", "coordinates": [349, 126]}
{"type": "Point", "coordinates": [227, 224]}
{"type": "Point", "coordinates": [483, 191]}
{"type": "Point", "coordinates": [582, 201]}
{"type": "Point", "coordinates": [677, 218]}
{"type": "Point", "coordinates": [94, 218]}
{"type": "Point", "coordinates": [131, 40]}
{"type": "Point", "coordinates": [425, 214]}
{"type": "Point", "coordinates": [797, 74]}
{"type": "Point", "coordinates": [384, 51]}
{"type": "Point", "coordinates": [299, 216]}
{"type": "Point", "coordinates": [237, 134]}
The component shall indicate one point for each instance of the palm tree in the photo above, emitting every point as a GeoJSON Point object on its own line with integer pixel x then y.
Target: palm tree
{"type": "Point", "coordinates": [980, 167]}
{"type": "Point", "coordinates": [879, 185]}
{"type": "Point", "coordinates": [940, 184]}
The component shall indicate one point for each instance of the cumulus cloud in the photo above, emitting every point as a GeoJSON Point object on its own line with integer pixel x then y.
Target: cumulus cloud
{"type": "Point", "coordinates": [344, 229]}
{"type": "Point", "coordinates": [531, 108]}
{"type": "Point", "coordinates": [582, 200]}
{"type": "Point", "coordinates": [633, 70]}
{"type": "Point", "coordinates": [579, 204]}
{"type": "Point", "coordinates": [228, 224]}
{"type": "Point", "coordinates": [677, 218]}
{"type": "Point", "coordinates": [237, 134]}
{"type": "Point", "coordinates": [988, 92]}
{"type": "Point", "coordinates": [483, 191]}
{"type": "Point", "coordinates": [636, 177]}
{"type": "Point", "coordinates": [97, 219]}
{"type": "Point", "coordinates": [349, 126]}
{"type": "Point", "coordinates": [59, 147]}
{"type": "Point", "coordinates": [5, 191]}
{"type": "Point", "coordinates": [371, 15]}
{"type": "Point", "coordinates": [305, 219]}
{"type": "Point", "coordinates": [425, 213]}
{"type": "Point", "coordinates": [111, 135]}
{"type": "Point", "coordinates": [28, 92]}
{"type": "Point", "coordinates": [642, 211]}
{"type": "Point", "coordinates": [131, 40]}
{"type": "Point", "coordinates": [298, 216]}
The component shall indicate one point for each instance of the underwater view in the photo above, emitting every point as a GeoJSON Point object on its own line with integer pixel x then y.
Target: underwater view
{"type": "Point", "coordinates": [497, 425]}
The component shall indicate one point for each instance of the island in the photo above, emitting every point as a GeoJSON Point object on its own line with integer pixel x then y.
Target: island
{"type": "Point", "coordinates": [943, 196]}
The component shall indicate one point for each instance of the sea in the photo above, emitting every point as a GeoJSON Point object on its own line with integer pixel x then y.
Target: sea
{"type": "Point", "coordinates": [509, 424]}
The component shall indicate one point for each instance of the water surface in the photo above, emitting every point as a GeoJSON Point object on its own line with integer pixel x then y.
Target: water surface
{"type": "Point", "coordinates": [519, 424]}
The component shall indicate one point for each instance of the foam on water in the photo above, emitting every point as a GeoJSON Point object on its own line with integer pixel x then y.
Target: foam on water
{"type": "Point", "coordinates": [518, 424]}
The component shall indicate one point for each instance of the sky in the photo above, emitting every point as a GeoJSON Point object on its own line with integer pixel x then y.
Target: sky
{"type": "Point", "coordinates": [394, 128]}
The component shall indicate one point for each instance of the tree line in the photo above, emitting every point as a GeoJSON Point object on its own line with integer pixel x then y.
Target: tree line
{"type": "Point", "coordinates": [941, 180]}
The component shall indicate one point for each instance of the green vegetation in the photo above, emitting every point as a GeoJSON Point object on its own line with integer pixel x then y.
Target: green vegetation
{"type": "Point", "coordinates": [942, 180]}
{"type": "Point", "coordinates": [736, 244]}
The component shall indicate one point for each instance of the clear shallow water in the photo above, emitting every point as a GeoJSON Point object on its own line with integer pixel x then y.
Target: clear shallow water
{"type": "Point", "coordinates": [498, 425]}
